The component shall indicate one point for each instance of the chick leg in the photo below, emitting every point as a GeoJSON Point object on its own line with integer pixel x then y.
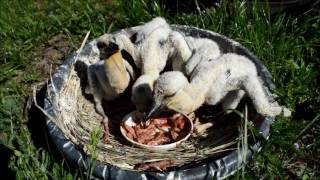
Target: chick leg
{"type": "Point", "coordinates": [95, 89]}
{"type": "Point", "coordinates": [201, 129]}
{"type": "Point", "coordinates": [105, 120]}
{"type": "Point", "coordinates": [255, 90]}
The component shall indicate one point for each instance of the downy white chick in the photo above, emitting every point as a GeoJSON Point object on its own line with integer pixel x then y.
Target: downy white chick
{"type": "Point", "coordinates": [154, 52]}
{"type": "Point", "coordinates": [203, 49]}
{"type": "Point", "coordinates": [137, 42]}
{"type": "Point", "coordinates": [107, 79]}
{"type": "Point", "coordinates": [156, 43]}
{"type": "Point", "coordinates": [161, 45]}
{"type": "Point", "coordinates": [190, 52]}
{"type": "Point", "coordinates": [208, 50]}
{"type": "Point", "coordinates": [132, 40]}
{"type": "Point", "coordinates": [209, 83]}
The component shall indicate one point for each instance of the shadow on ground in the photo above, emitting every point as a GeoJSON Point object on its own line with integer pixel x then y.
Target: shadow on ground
{"type": "Point", "coordinates": [4, 161]}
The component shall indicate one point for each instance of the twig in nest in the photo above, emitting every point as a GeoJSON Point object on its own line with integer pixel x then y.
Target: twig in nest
{"type": "Point", "coordinates": [80, 49]}
{"type": "Point", "coordinates": [39, 107]}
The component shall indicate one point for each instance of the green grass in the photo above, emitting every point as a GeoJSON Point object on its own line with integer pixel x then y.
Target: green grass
{"type": "Point", "coordinates": [287, 45]}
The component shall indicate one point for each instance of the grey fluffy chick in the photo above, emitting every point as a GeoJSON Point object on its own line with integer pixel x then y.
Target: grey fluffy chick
{"type": "Point", "coordinates": [157, 49]}
{"type": "Point", "coordinates": [107, 79]}
{"type": "Point", "coordinates": [110, 77]}
{"type": "Point", "coordinates": [210, 82]}
{"type": "Point", "coordinates": [154, 50]}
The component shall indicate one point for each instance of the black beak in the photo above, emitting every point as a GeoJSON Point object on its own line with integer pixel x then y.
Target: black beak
{"type": "Point", "coordinates": [155, 111]}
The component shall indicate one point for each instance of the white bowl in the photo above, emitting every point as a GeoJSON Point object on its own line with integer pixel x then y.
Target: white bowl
{"type": "Point", "coordinates": [128, 120]}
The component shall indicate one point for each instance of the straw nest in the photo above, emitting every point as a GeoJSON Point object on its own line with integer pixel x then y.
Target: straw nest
{"type": "Point", "coordinates": [77, 118]}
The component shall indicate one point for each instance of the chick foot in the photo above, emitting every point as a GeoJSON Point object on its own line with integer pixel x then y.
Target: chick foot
{"type": "Point", "coordinates": [105, 126]}
{"type": "Point", "coordinates": [200, 129]}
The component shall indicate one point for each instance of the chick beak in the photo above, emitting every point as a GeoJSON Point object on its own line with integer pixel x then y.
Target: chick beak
{"type": "Point", "coordinates": [116, 72]}
{"type": "Point", "coordinates": [155, 111]}
{"type": "Point", "coordinates": [114, 62]}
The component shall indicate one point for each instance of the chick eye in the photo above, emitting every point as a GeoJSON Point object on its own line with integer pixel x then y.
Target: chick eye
{"type": "Point", "coordinates": [112, 47]}
{"type": "Point", "coordinates": [169, 95]}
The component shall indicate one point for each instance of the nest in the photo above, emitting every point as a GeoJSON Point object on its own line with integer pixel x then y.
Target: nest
{"type": "Point", "coordinates": [76, 117]}
{"type": "Point", "coordinates": [78, 120]}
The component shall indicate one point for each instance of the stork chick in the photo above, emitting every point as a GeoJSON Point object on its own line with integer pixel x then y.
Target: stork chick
{"type": "Point", "coordinates": [154, 52]}
{"type": "Point", "coordinates": [210, 82]}
{"type": "Point", "coordinates": [107, 79]}
{"type": "Point", "coordinates": [161, 45]}
{"type": "Point", "coordinates": [155, 43]}
{"type": "Point", "coordinates": [133, 40]}
{"type": "Point", "coordinates": [147, 47]}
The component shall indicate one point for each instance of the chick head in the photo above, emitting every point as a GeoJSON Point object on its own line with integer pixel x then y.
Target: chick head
{"type": "Point", "coordinates": [142, 93]}
{"type": "Point", "coordinates": [107, 46]}
{"type": "Point", "coordinates": [169, 93]}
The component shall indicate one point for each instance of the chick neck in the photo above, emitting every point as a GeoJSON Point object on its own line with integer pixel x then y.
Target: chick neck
{"type": "Point", "coordinates": [200, 83]}
{"type": "Point", "coordinates": [195, 94]}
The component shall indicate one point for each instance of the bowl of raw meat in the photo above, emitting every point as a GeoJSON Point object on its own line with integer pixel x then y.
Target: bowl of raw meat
{"type": "Point", "coordinates": [164, 132]}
